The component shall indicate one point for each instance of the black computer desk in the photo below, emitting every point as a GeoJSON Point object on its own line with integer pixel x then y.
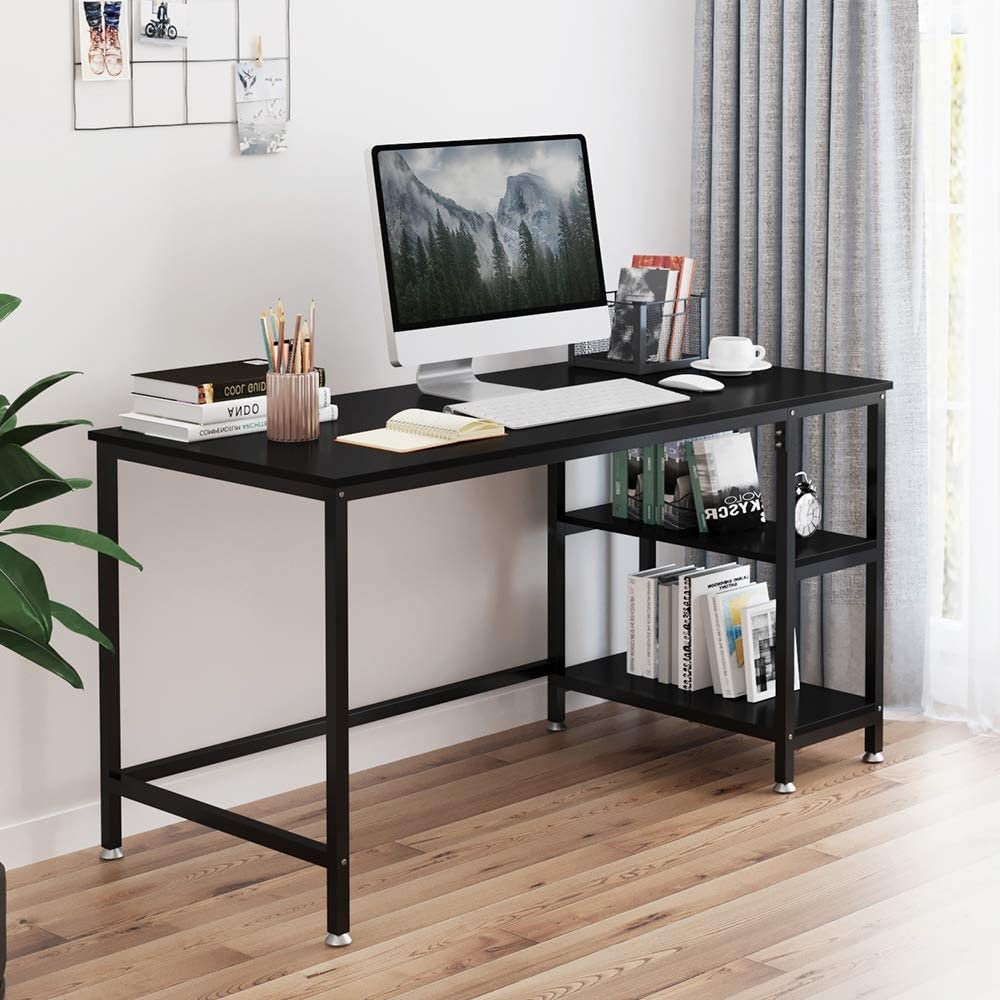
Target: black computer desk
{"type": "Point", "coordinates": [335, 474]}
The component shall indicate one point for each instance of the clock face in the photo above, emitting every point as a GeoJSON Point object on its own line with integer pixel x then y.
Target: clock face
{"type": "Point", "coordinates": [808, 514]}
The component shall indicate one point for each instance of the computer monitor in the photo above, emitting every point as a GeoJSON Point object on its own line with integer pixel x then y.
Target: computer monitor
{"type": "Point", "coordinates": [488, 246]}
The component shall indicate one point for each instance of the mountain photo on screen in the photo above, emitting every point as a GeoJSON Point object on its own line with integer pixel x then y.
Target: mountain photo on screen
{"type": "Point", "coordinates": [488, 229]}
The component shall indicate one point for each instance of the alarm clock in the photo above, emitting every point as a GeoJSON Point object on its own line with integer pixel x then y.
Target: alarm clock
{"type": "Point", "coordinates": [808, 510]}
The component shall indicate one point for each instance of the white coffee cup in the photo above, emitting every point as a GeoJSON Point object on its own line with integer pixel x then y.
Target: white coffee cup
{"type": "Point", "coordinates": [734, 353]}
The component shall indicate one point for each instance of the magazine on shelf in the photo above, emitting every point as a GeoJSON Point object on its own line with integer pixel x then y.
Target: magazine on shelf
{"type": "Point", "coordinates": [760, 662]}
{"type": "Point", "coordinates": [724, 629]}
{"type": "Point", "coordinates": [725, 483]}
{"type": "Point", "coordinates": [691, 676]}
{"type": "Point", "coordinates": [702, 588]}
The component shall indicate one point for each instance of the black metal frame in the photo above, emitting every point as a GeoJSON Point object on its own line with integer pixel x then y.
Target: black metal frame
{"type": "Point", "coordinates": [780, 721]}
{"type": "Point", "coordinates": [792, 721]}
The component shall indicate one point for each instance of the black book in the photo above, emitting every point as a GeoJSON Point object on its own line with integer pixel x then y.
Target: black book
{"type": "Point", "coordinates": [208, 383]}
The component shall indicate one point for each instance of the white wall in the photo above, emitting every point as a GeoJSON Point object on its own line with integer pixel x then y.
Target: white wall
{"type": "Point", "coordinates": [135, 250]}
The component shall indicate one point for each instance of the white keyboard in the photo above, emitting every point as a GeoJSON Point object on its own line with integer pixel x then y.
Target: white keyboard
{"type": "Point", "coordinates": [574, 402]}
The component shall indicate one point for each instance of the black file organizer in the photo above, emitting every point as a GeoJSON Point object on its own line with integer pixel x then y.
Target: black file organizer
{"type": "Point", "coordinates": [634, 345]}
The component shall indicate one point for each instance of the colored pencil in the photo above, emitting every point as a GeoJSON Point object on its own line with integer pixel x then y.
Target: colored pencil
{"type": "Point", "coordinates": [267, 342]}
{"type": "Point", "coordinates": [312, 331]}
{"type": "Point", "coordinates": [297, 346]}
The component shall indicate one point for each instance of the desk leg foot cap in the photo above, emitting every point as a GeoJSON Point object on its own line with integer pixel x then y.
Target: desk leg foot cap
{"type": "Point", "coordinates": [338, 940]}
{"type": "Point", "coordinates": [557, 727]}
{"type": "Point", "coordinates": [112, 853]}
{"type": "Point", "coordinates": [784, 787]}
{"type": "Point", "coordinates": [873, 758]}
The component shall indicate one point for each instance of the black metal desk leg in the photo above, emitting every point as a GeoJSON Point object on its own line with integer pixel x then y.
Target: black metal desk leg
{"type": "Point", "coordinates": [110, 681]}
{"type": "Point", "coordinates": [875, 577]}
{"type": "Point", "coordinates": [338, 826]}
{"type": "Point", "coordinates": [788, 440]}
{"type": "Point", "coordinates": [556, 595]}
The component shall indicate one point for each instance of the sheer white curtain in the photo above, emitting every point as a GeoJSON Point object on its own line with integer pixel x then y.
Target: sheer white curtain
{"type": "Point", "coordinates": [960, 120]}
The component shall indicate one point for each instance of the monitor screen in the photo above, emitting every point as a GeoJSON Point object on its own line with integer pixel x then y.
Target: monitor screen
{"type": "Point", "coordinates": [485, 229]}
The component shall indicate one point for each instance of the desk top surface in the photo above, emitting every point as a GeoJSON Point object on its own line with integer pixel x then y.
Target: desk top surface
{"type": "Point", "coordinates": [328, 465]}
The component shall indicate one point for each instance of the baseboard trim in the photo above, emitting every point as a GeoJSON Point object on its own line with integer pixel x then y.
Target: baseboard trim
{"type": "Point", "coordinates": [285, 768]}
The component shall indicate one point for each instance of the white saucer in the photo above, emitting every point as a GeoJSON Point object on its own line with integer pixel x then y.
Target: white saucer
{"type": "Point", "coordinates": [704, 365]}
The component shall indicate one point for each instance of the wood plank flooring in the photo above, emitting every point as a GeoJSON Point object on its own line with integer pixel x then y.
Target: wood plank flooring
{"type": "Point", "coordinates": [631, 857]}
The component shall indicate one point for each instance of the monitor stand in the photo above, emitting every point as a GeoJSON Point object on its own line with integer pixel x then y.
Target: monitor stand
{"type": "Point", "coordinates": [456, 380]}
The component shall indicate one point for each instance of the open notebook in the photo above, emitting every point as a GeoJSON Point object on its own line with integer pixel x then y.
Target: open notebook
{"type": "Point", "coordinates": [414, 430]}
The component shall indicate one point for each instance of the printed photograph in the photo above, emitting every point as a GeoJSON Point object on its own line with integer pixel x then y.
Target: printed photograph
{"type": "Point", "coordinates": [163, 22]}
{"type": "Point", "coordinates": [104, 39]}
{"type": "Point", "coordinates": [481, 230]}
{"type": "Point", "coordinates": [261, 108]}
{"type": "Point", "coordinates": [759, 642]}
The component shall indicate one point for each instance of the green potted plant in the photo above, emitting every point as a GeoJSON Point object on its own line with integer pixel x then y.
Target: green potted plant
{"type": "Point", "coordinates": [27, 613]}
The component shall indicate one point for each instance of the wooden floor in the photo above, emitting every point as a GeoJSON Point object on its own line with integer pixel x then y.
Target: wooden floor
{"type": "Point", "coordinates": [632, 856]}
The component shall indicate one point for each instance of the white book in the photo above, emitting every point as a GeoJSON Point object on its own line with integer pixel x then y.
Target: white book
{"type": "Point", "coordinates": [179, 430]}
{"type": "Point", "coordinates": [727, 628]}
{"type": "Point", "coordinates": [641, 658]}
{"type": "Point", "coordinates": [701, 588]}
{"type": "Point", "coordinates": [687, 678]}
{"type": "Point", "coordinates": [760, 663]}
{"type": "Point", "coordinates": [210, 413]}
{"type": "Point", "coordinates": [664, 628]}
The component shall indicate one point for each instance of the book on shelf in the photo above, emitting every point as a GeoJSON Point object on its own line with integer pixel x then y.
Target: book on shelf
{"type": "Point", "coordinates": [702, 588]}
{"type": "Point", "coordinates": [684, 266]}
{"type": "Point", "coordinates": [642, 284]}
{"type": "Point", "coordinates": [626, 489]}
{"type": "Point", "coordinates": [179, 430]}
{"type": "Point", "coordinates": [725, 483]}
{"type": "Point", "coordinates": [691, 675]}
{"type": "Point", "coordinates": [210, 413]}
{"type": "Point", "coordinates": [619, 484]}
{"type": "Point", "coordinates": [675, 506]}
{"type": "Point", "coordinates": [724, 633]}
{"type": "Point", "coordinates": [416, 430]}
{"type": "Point", "coordinates": [208, 383]}
{"type": "Point", "coordinates": [641, 655]}
{"type": "Point", "coordinates": [760, 662]}
{"type": "Point", "coordinates": [666, 586]}
{"type": "Point", "coordinates": [648, 481]}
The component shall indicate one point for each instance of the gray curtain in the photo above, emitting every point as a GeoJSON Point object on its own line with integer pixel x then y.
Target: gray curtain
{"type": "Point", "coordinates": [804, 225]}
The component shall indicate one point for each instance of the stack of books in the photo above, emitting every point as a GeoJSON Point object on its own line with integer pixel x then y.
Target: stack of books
{"type": "Point", "coordinates": [711, 482]}
{"type": "Point", "coordinates": [697, 627]}
{"type": "Point", "coordinates": [207, 401]}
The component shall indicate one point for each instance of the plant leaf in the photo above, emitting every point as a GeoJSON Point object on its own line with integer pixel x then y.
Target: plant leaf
{"type": "Point", "coordinates": [24, 599]}
{"type": "Point", "coordinates": [24, 481]}
{"type": "Point", "coordinates": [76, 536]}
{"type": "Point", "coordinates": [29, 432]}
{"type": "Point", "coordinates": [75, 622]}
{"type": "Point", "coordinates": [80, 484]}
{"type": "Point", "coordinates": [41, 653]}
{"type": "Point", "coordinates": [8, 423]}
{"type": "Point", "coordinates": [33, 390]}
{"type": "Point", "coordinates": [8, 303]}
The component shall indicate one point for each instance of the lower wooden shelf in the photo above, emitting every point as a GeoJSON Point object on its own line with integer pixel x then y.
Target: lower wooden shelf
{"type": "Point", "coordinates": [819, 712]}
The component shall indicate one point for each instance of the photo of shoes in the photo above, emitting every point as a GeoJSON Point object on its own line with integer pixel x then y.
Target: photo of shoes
{"type": "Point", "coordinates": [104, 34]}
{"type": "Point", "coordinates": [95, 57]}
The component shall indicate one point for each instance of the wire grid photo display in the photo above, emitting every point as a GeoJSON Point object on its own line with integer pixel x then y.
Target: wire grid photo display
{"type": "Point", "coordinates": [182, 84]}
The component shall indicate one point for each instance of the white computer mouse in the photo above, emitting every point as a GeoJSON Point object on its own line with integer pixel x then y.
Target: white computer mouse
{"type": "Point", "coordinates": [692, 383]}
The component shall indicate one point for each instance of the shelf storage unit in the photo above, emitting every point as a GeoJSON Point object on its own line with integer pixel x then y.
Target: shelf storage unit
{"type": "Point", "coordinates": [793, 719]}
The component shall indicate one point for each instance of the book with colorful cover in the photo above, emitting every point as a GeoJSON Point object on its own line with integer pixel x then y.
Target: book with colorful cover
{"type": "Point", "coordinates": [725, 483]}
{"type": "Point", "coordinates": [684, 266]}
{"type": "Point", "coordinates": [725, 632]}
